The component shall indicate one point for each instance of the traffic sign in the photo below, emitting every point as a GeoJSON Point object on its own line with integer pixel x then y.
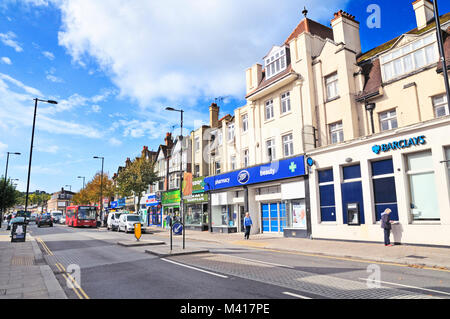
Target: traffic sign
{"type": "Point", "coordinates": [137, 231]}
{"type": "Point", "coordinates": [177, 228]}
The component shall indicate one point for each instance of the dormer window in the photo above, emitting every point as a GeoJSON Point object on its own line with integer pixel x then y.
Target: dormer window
{"type": "Point", "coordinates": [276, 61]}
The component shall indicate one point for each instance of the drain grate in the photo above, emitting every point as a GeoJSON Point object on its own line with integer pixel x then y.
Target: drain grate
{"type": "Point", "coordinates": [417, 257]}
{"type": "Point", "coordinates": [22, 261]}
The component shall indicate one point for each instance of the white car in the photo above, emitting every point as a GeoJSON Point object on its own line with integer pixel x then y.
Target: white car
{"type": "Point", "coordinates": [127, 222]}
{"type": "Point", "coordinates": [113, 221]}
{"type": "Point", "coordinates": [56, 215]}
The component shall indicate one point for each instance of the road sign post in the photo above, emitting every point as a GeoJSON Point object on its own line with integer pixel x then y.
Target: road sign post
{"type": "Point", "coordinates": [137, 231]}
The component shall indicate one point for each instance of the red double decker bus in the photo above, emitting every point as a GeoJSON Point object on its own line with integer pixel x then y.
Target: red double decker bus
{"type": "Point", "coordinates": [81, 216]}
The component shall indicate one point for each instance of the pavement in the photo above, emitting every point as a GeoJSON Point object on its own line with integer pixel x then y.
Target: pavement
{"type": "Point", "coordinates": [408, 255]}
{"type": "Point", "coordinates": [23, 271]}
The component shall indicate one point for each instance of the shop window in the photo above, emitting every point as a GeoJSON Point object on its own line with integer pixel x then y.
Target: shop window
{"type": "Point", "coordinates": [326, 191]}
{"type": "Point", "coordinates": [422, 186]}
{"type": "Point", "coordinates": [351, 172]}
{"type": "Point", "coordinates": [384, 191]}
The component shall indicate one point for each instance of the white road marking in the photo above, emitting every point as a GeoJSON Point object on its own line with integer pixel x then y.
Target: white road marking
{"type": "Point", "coordinates": [295, 295]}
{"type": "Point", "coordinates": [406, 286]}
{"type": "Point", "coordinates": [259, 261]}
{"type": "Point", "coordinates": [194, 268]}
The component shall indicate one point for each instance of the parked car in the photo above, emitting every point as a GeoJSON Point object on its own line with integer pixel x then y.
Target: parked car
{"type": "Point", "coordinates": [113, 221]}
{"type": "Point", "coordinates": [33, 217]}
{"type": "Point", "coordinates": [127, 222]}
{"type": "Point", "coordinates": [44, 219]}
{"type": "Point", "coordinates": [56, 215]}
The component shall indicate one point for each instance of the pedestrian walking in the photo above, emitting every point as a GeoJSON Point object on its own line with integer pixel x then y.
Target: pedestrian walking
{"type": "Point", "coordinates": [386, 225]}
{"type": "Point", "coordinates": [248, 225]}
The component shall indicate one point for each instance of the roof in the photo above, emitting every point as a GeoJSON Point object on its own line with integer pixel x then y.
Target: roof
{"type": "Point", "coordinates": [313, 27]}
{"type": "Point", "coordinates": [266, 82]}
{"type": "Point", "coordinates": [387, 45]}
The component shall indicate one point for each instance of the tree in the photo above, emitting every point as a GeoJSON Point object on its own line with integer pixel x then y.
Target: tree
{"type": "Point", "coordinates": [91, 193]}
{"type": "Point", "coordinates": [8, 195]}
{"type": "Point", "coordinates": [135, 179]}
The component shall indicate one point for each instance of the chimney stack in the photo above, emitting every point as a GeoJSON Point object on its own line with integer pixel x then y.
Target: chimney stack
{"type": "Point", "coordinates": [346, 30]}
{"type": "Point", "coordinates": [168, 139]}
{"type": "Point", "coordinates": [253, 77]}
{"type": "Point", "coordinates": [213, 115]}
{"type": "Point", "coordinates": [424, 11]}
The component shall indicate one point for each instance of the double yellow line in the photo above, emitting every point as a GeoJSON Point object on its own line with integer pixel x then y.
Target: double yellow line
{"type": "Point", "coordinates": [75, 286]}
{"type": "Point", "coordinates": [44, 245]}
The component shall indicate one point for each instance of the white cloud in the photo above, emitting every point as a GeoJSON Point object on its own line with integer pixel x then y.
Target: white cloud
{"type": "Point", "coordinates": [96, 108]}
{"type": "Point", "coordinates": [115, 142]}
{"type": "Point", "coordinates": [49, 55]}
{"type": "Point", "coordinates": [8, 40]}
{"type": "Point", "coordinates": [53, 149]}
{"type": "Point", "coordinates": [3, 148]}
{"type": "Point", "coordinates": [54, 78]}
{"type": "Point", "coordinates": [175, 50]}
{"type": "Point", "coordinates": [6, 60]}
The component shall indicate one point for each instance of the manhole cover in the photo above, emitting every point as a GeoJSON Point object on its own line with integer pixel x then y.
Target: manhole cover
{"type": "Point", "coordinates": [22, 261]}
{"type": "Point", "coordinates": [417, 257]}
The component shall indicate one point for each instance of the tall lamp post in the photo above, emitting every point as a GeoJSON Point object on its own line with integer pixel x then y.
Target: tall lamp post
{"type": "Point", "coordinates": [31, 146]}
{"type": "Point", "coordinates": [441, 49]}
{"type": "Point", "coordinates": [4, 188]}
{"type": "Point", "coordinates": [83, 179]}
{"type": "Point", "coordinates": [181, 172]}
{"type": "Point", "coordinates": [101, 189]}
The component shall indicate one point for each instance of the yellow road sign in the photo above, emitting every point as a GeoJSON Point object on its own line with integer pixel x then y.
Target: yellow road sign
{"type": "Point", "coordinates": [137, 231]}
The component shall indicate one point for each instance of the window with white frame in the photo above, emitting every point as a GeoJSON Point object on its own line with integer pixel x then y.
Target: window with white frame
{"type": "Point", "coordinates": [269, 110]}
{"type": "Point", "coordinates": [219, 137]}
{"type": "Point", "coordinates": [388, 120]}
{"type": "Point", "coordinates": [409, 58]}
{"type": "Point", "coordinates": [336, 133]}
{"type": "Point", "coordinates": [246, 158]}
{"type": "Point", "coordinates": [270, 149]}
{"type": "Point", "coordinates": [233, 162]}
{"type": "Point", "coordinates": [288, 145]}
{"type": "Point", "coordinates": [285, 102]}
{"type": "Point", "coordinates": [244, 122]}
{"type": "Point", "coordinates": [230, 131]}
{"type": "Point", "coordinates": [440, 105]}
{"type": "Point", "coordinates": [217, 167]}
{"type": "Point", "coordinates": [276, 63]}
{"type": "Point", "coordinates": [331, 83]}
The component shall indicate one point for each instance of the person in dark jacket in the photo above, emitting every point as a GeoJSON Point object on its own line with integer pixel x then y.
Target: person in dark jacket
{"type": "Point", "coordinates": [386, 225]}
{"type": "Point", "coordinates": [248, 225]}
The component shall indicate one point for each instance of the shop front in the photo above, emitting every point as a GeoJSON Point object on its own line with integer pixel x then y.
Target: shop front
{"type": "Point", "coordinates": [405, 170]}
{"type": "Point", "coordinates": [154, 212]}
{"type": "Point", "coordinates": [273, 194]}
{"type": "Point", "coordinates": [170, 202]}
{"type": "Point", "coordinates": [195, 202]}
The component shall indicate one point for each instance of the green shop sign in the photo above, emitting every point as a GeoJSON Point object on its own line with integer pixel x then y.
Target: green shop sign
{"type": "Point", "coordinates": [170, 197]}
{"type": "Point", "coordinates": [198, 185]}
{"type": "Point", "coordinates": [196, 198]}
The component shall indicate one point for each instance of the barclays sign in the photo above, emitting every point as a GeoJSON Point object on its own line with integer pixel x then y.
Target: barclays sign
{"type": "Point", "coordinates": [398, 145]}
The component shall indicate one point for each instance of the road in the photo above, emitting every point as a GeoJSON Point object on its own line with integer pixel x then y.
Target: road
{"type": "Point", "coordinates": [108, 270]}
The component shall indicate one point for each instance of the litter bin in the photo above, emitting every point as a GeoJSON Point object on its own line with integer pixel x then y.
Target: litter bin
{"type": "Point", "coordinates": [18, 230]}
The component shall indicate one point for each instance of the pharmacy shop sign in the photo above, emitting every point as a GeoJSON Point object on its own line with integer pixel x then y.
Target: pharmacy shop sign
{"type": "Point", "coordinates": [399, 145]}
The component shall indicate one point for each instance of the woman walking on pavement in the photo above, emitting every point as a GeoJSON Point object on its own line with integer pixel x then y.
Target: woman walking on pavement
{"type": "Point", "coordinates": [248, 225]}
{"type": "Point", "coordinates": [386, 225]}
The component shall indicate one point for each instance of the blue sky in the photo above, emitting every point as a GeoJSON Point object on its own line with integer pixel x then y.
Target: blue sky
{"type": "Point", "coordinates": [115, 64]}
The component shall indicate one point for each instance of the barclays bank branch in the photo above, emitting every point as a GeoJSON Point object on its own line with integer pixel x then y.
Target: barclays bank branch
{"type": "Point", "coordinates": [275, 195]}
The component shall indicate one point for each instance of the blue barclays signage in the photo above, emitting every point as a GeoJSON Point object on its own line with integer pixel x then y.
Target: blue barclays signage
{"type": "Point", "coordinates": [257, 174]}
{"type": "Point", "coordinates": [121, 202]}
{"type": "Point", "coordinates": [398, 145]}
{"type": "Point", "coordinates": [114, 204]}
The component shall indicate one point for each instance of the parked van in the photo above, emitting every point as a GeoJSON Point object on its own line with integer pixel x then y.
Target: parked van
{"type": "Point", "coordinates": [127, 222]}
{"type": "Point", "coordinates": [113, 221]}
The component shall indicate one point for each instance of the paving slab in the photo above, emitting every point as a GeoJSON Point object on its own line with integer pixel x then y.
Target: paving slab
{"type": "Point", "coordinates": [164, 251]}
{"type": "Point", "coordinates": [136, 243]}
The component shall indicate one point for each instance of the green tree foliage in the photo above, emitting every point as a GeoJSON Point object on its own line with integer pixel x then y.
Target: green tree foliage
{"type": "Point", "coordinates": [8, 194]}
{"type": "Point", "coordinates": [91, 193]}
{"type": "Point", "coordinates": [135, 179]}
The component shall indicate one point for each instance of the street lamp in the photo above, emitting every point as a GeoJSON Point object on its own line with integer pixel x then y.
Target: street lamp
{"type": "Point", "coordinates": [83, 179]}
{"type": "Point", "coordinates": [370, 107]}
{"type": "Point", "coordinates": [31, 147]}
{"type": "Point", "coordinates": [4, 189]}
{"type": "Point", "coordinates": [70, 187]}
{"type": "Point", "coordinates": [101, 189]}
{"type": "Point", "coordinates": [181, 173]}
